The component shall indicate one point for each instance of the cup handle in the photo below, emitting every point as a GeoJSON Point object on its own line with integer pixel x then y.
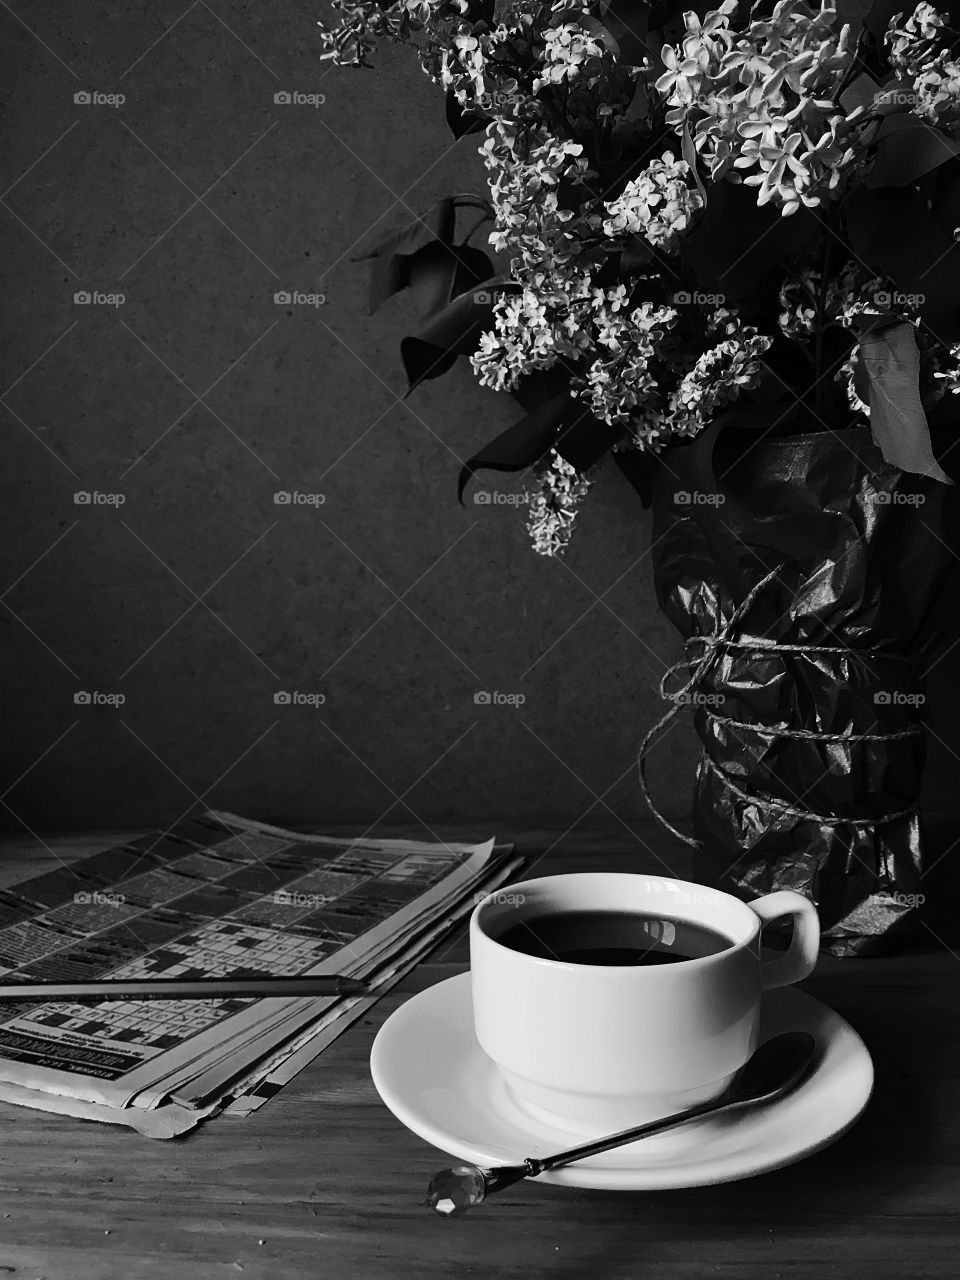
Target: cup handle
{"type": "Point", "coordinates": [801, 955]}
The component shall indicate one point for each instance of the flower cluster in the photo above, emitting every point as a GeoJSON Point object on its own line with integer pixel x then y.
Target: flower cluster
{"type": "Point", "coordinates": [534, 328]}
{"type": "Point", "coordinates": [631, 345]}
{"type": "Point", "coordinates": [761, 102]}
{"type": "Point", "coordinates": [719, 375]}
{"type": "Point", "coordinates": [933, 77]}
{"type": "Point", "coordinates": [658, 204]}
{"type": "Point", "coordinates": [554, 505]}
{"type": "Point", "coordinates": [526, 167]}
{"type": "Point", "coordinates": [568, 52]}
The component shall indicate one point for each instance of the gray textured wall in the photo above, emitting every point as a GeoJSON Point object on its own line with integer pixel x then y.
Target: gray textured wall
{"type": "Point", "coordinates": [198, 398]}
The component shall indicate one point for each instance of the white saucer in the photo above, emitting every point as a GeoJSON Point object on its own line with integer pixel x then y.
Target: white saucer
{"type": "Point", "coordinates": [431, 1073]}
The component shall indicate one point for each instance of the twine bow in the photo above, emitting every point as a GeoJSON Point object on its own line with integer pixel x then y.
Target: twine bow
{"type": "Point", "coordinates": [714, 646]}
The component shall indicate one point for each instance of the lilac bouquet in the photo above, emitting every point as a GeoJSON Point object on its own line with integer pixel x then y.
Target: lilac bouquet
{"type": "Point", "coordinates": [748, 210]}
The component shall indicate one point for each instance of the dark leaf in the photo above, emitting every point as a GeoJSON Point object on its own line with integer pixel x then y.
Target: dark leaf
{"type": "Point", "coordinates": [627, 21]}
{"type": "Point", "coordinates": [391, 270]}
{"type": "Point", "coordinates": [436, 224]}
{"type": "Point", "coordinates": [584, 439]}
{"type": "Point", "coordinates": [535, 389]}
{"type": "Point", "coordinates": [562, 423]}
{"type": "Point", "coordinates": [878, 18]}
{"type": "Point", "coordinates": [390, 275]}
{"type": "Point", "coordinates": [907, 148]}
{"type": "Point", "coordinates": [431, 271]}
{"type": "Point", "coordinates": [890, 361]}
{"type": "Point", "coordinates": [637, 466]}
{"type": "Point", "coordinates": [438, 273]}
{"type": "Point", "coordinates": [453, 331]}
{"type": "Point", "coordinates": [860, 92]}
{"type": "Point", "coordinates": [474, 268]}
{"type": "Point", "coordinates": [521, 445]}
{"type": "Point", "coordinates": [894, 233]}
{"type": "Point", "coordinates": [423, 361]}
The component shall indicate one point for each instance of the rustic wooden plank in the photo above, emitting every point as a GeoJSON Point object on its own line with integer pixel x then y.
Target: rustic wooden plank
{"type": "Point", "coordinates": [331, 1183]}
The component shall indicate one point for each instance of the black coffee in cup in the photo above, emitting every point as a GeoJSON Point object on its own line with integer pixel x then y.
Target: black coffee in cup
{"type": "Point", "coordinates": [612, 938]}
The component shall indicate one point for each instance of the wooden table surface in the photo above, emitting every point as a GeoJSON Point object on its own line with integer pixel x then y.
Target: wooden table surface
{"type": "Point", "coordinates": [324, 1182]}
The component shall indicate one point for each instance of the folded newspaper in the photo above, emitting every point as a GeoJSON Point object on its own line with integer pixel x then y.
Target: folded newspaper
{"type": "Point", "coordinates": [216, 896]}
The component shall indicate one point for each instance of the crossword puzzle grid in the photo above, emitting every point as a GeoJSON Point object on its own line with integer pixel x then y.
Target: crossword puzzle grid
{"type": "Point", "coordinates": [237, 943]}
{"type": "Point", "coordinates": [219, 949]}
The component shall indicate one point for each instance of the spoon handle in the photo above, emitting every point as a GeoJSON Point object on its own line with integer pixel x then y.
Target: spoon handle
{"type": "Point", "coordinates": [453, 1191]}
{"type": "Point", "coordinates": [775, 1068]}
{"type": "Point", "coordinates": [630, 1135]}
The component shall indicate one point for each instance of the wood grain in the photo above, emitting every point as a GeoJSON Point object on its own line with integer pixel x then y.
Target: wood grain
{"type": "Point", "coordinates": [324, 1182]}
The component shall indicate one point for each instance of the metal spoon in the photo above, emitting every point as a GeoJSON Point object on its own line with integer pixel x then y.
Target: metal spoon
{"type": "Point", "coordinates": [773, 1070]}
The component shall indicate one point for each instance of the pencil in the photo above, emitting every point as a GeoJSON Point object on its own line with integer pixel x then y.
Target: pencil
{"type": "Point", "coordinates": [178, 989]}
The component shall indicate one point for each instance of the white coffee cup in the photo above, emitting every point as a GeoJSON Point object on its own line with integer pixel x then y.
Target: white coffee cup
{"type": "Point", "coordinates": [597, 1047]}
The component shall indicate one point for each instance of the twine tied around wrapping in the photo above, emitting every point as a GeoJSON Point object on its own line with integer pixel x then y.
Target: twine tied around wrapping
{"type": "Point", "coordinates": [714, 646]}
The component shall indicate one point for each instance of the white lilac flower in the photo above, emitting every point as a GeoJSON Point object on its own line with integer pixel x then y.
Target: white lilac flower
{"type": "Point", "coordinates": [760, 103]}
{"type": "Point", "coordinates": [533, 329]}
{"type": "Point", "coordinates": [658, 204]}
{"type": "Point", "coordinates": [568, 49]}
{"type": "Point", "coordinates": [910, 46]}
{"type": "Point", "coordinates": [717, 378]}
{"type": "Point", "coordinates": [620, 381]}
{"type": "Point", "coordinates": [554, 505]}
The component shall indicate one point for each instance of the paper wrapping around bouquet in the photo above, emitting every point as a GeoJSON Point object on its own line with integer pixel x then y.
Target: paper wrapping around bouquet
{"type": "Point", "coordinates": [831, 648]}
